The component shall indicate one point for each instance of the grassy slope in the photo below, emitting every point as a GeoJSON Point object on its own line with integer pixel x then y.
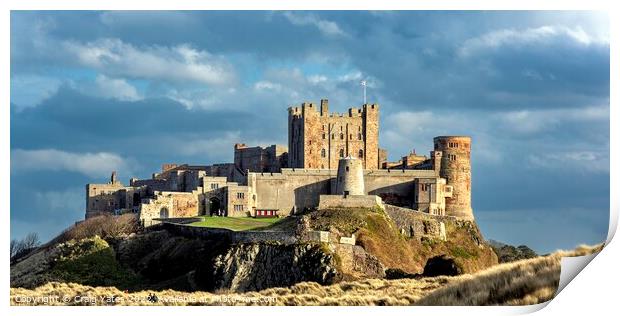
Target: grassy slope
{"type": "Point", "coordinates": [521, 282]}
{"type": "Point", "coordinates": [236, 223]}
{"type": "Point", "coordinates": [380, 237]}
{"type": "Point", "coordinates": [92, 261]}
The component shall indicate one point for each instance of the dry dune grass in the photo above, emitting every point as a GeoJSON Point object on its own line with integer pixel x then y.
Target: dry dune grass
{"type": "Point", "coordinates": [523, 282]}
{"type": "Point", "coordinates": [517, 283]}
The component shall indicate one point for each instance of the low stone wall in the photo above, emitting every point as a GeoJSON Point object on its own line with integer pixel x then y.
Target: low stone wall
{"type": "Point", "coordinates": [232, 236]}
{"type": "Point", "coordinates": [418, 224]}
{"type": "Point", "coordinates": [318, 236]}
{"type": "Point", "coordinates": [348, 240]}
{"type": "Point", "coordinates": [286, 238]}
{"type": "Point", "coordinates": [338, 201]}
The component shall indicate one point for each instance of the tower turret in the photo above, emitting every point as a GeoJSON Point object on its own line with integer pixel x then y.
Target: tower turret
{"type": "Point", "coordinates": [350, 180]}
{"type": "Point", "coordinates": [456, 169]}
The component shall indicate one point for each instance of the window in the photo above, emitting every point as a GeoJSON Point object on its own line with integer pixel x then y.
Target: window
{"type": "Point", "coordinates": [323, 152]}
{"type": "Point", "coordinates": [333, 136]}
{"type": "Point", "coordinates": [347, 168]}
{"type": "Point", "coordinates": [359, 136]}
{"type": "Point", "coordinates": [350, 136]}
{"type": "Point", "coordinates": [361, 153]}
{"type": "Point", "coordinates": [341, 136]}
{"type": "Point", "coordinates": [453, 157]}
{"type": "Point", "coordinates": [310, 142]}
{"type": "Point", "coordinates": [323, 135]}
{"type": "Point", "coordinates": [240, 195]}
{"type": "Point", "coordinates": [238, 208]}
{"type": "Point", "coordinates": [341, 153]}
{"type": "Point", "coordinates": [214, 186]}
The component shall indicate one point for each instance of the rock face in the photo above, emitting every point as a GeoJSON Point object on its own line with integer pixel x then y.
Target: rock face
{"type": "Point", "coordinates": [356, 263]}
{"type": "Point", "coordinates": [249, 267]}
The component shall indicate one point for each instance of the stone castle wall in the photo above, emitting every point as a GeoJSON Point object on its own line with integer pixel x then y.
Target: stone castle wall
{"type": "Point", "coordinates": [258, 159]}
{"type": "Point", "coordinates": [300, 188]}
{"type": "Point", "coordinates": [417, 224]}
{"type": "Point", "coordinates": [169, 205]}
{"type": "Point", "coordinates": [351, 201]}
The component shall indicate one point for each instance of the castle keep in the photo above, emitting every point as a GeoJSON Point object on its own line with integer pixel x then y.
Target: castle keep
{"type": "Point", "coordinates": [318, 139]}
{"type": "Point", "coordinates": [331, 158]}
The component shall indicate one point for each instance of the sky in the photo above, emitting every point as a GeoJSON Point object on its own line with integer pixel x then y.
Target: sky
{"type": "Point", "coordinates": [93, 92]}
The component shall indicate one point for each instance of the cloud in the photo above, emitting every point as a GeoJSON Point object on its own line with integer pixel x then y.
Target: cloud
{"type": "Point", "coordinates": [582, 161]}
{"type": "Point", "coordinates": [90, 164]}
{"type": "Point", "coordinates": [513, 93]}
{"type": "Point", "coordinates": [111, 88]}
{"type": "Point", "coordinates": [503, 134]}
{"type": "Point", "coordinates": [326, 27]}
{"type": "Point", "coordinates": [535, 121]}
{"type": "Point", "coordinates": [180, 63]}
{"type": "Point", "coordinates": [55, 202]}
{"type": "Point", "coordinates": [267, 85]}
{"type": "Point", "coordinates": [29, 90]}
{"type": "Point", "coordinates": [499, 38]}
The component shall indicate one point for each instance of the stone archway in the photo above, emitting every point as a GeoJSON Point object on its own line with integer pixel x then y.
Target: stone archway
{"type": "Point", "coordinates": [214, 206]}
{"type": "Point", "coordinates": [163, 213]}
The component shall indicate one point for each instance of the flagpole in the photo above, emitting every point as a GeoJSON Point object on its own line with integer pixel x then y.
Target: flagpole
{"type": "Point", "coordinates": [363, 83]}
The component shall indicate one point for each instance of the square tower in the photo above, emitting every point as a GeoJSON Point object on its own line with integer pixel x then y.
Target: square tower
{"type": "Point", "coordinates": [319, 139]}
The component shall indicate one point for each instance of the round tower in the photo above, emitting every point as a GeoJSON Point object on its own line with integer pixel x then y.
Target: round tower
{"type": "Point", "coordinates": [350, 179]}
{"type": "Point", "coordinates": [456, 169]}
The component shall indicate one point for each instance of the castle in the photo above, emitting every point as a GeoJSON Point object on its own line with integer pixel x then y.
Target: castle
{"type": "Point", "coordinates": [329, 154]}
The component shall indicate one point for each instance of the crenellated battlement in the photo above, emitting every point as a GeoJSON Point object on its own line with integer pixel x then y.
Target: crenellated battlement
{"type": "Point", "coordinates": [318, 138]}
{"type": "Point", "coordinates": [293, 178]}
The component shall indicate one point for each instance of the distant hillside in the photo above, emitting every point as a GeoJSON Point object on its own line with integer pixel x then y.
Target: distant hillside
{"type": "Point", "coordinates": [508, 253]}
{"type": "Point", "coordinates": [522, 282]}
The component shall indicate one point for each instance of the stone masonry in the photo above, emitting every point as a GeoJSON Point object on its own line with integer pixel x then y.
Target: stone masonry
{"type": "Point", "coordinates": [258, 180]}
{"type": "Point", "coordinates": [318, 139]}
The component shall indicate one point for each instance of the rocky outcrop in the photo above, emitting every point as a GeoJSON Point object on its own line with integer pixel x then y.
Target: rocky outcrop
{"type": "Point", "coordinates": [249, 267]}
{"type": "Point", "coordinates": [356, 263]}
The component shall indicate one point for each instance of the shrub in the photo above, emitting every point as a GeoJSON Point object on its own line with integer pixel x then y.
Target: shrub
{"type": "Point", "coordinates": [92, 262]}
{"type": "Point", "coordinates": [461, 252]}
{"type": "Point", "coordinates": [104, 226]}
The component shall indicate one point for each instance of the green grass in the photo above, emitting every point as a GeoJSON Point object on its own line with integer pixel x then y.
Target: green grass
{"type": "Point", "coordinates": [236, 223]}
{"type": "Point", "coordinates": [461, 252]}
